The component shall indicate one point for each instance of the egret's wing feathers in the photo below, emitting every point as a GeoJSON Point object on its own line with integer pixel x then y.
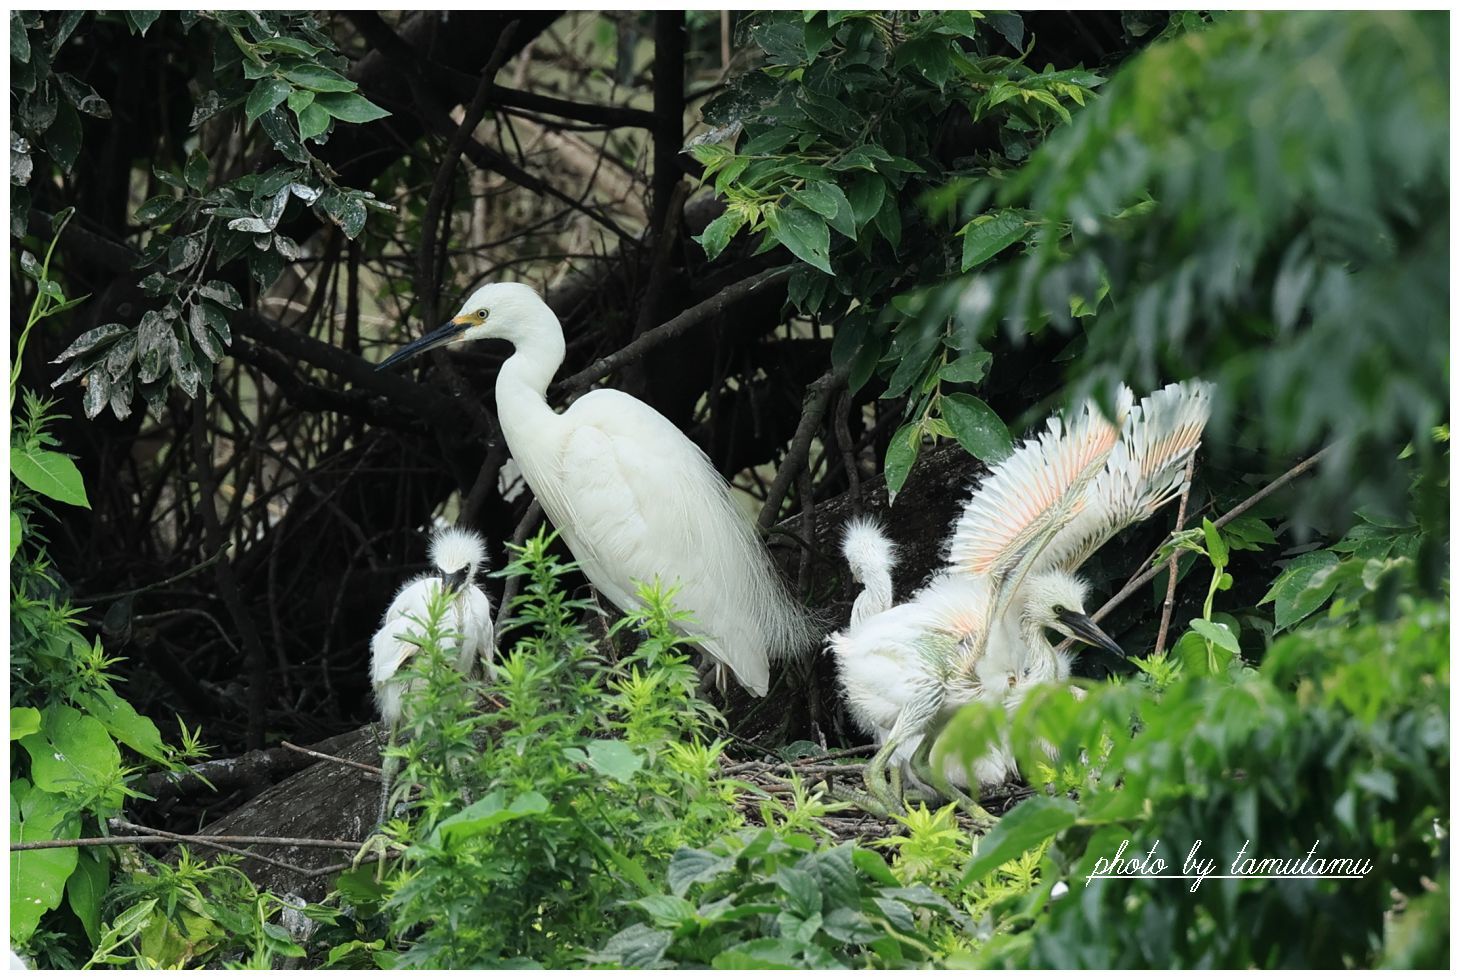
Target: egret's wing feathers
{"type": "Point", "coordinates": [1029, 495]}
{"type": "Point", "coordinates": [1143, 474]}
{"type": "Point", "coordinates": [1023, 504]}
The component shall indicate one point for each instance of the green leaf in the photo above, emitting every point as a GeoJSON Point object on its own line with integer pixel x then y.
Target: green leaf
{"type": "Point", "coordinates": [349, 107]}
{"type": "Point", "coordinates": [318, 78]}
{"type": "Point", "coordinates": [63, 138]}
{"type": "Point", "coordinates": [265, 96]}
{"type": "Point", "coordinates": [805, 234]}
{"type": "Point", "coordinates": [1305, 584]}
{"type": "Point", "coordinates": [1022, 829]}
{"type": "Point", "coordinates": [902, 452]}
{"type": "Point", "coordinates": [19, 39]}
{"type": "Point", "coordinates": [866, 196]}
{"type": "Point", "coordinates": [23, 722]}
{"type": "Point", "coordinates": [135, 731]}
{"type": "Point", "coordinates": [196, 171]}
{"type": "Point", "coordinates": [989, 234]}
{"type": "Point", "coordinates": [287, 45]}
{"type": "Point", "coordinates": [85, 888]}
{"type": "Point", "coordinates": [969, 368]}
{"type": "Point", "coordinates": [667, 911]}
{"type": "Point", "coordinates": [689, 866]}
{"type": "Point", "coordinates": [49, 474]}
{"type": "Point", "coordinates": [313, 121]}
{"type": "Point", "coordinates": [15, 534]}
{"type": "Point", "coordinates": [639, 947]}
{"type": "Point", "coordinates": [1216, 547]}
{"type": "Point", "coordinates": [485, 814]}
{"type": "Point", "coordinates": [718, 233]}
{"type": "Point", "coordinates": [611, 757]}
{"type": "Point", "coordinates": [74, 753]}
{"type": "Point", "coordinates": [977, 427]}
{"type": "Point", "coordinates": [140, 20]}
{"type": "Point", "coordinates": [1218, 633]}
{"type": "Point", "coordinates": [37, 878]}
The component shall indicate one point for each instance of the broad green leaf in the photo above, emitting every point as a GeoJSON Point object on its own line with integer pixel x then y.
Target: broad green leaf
{"type": "Point", "coordinates": [487, 813]}
{"type": "Point", "coordinates": [23, 722]}
{"type": "Point", "coordinates": [1022, 829]}
{"type": "Point", "coordinates": [74, 753]}
{"type": "Point", "coordinates": [667, 911]}
{"type": "Point", "coordinates": [15, 534]}
{"type": "Point", "coordinates": [318, 78]}
{"type": "Point", "coordinates": [639, 947]}
{"type": "Point", "coordinates": [689, 866]}
{"type": "Point", "coordinates": [1216, 547]}
{"type": "Point", "coordinates": [1218, 633]}
{"type": "Point", "coordinates": [49, 474]}
{"type": "Point", "coordinates": [140, 20]}
{"type": "Point", "coordinates": [866, 196]}
{"type": "Point", "coordinates": [610, 757]}
{"type": "Point", "coordinates": [85, 888]}
{"type": "Point", "coordinates": [349, 107]}
{"type": "Point", "coordinates": [264, 96]}
{"type": "Point", "coordinates": [133, 730]}
{"type": "Point", "coordinates": [969, 368]}
{"type": "Point", "coordinates": [977, 427]}
{"type": "Point", "coordinates": [195, 172]}
{"type": "Point", "coordinates": [718, 233]}
{"type": "Point", "coordinates": [1305, 584]}
{"type": "Point", "coordinates": [287, 45]}
{"type": "Point", "coordinates": [805, 234]}
{"type": "Point", "coordinates": [313, 120]}
{"type": "Point", "coordinates": [989, 234]}
{"type": "Point", "coordinates": [902, 452]}
{"type": "Point", "coordinates": [37, 878]}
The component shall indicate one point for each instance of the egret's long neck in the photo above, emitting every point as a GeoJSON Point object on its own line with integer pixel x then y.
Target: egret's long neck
{"type": "Point", "coordinates": [522, 384]}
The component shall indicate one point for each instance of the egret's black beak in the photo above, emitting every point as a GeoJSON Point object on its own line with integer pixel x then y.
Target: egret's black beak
{"type": "Point", "coordinates": [1083, 628]}
{"type": "Point", "coordinates": [441, 336]}
{"type": "Point", "coordinates": [453, 581]}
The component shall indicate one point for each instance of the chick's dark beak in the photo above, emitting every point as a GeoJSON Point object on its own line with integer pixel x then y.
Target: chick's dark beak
{"type": "Point", "coordinates": [1083, 628]}
{"type": "Point", "coordinates": [442, 335]}
{"type": "Point", "coordinates": [453, 581]}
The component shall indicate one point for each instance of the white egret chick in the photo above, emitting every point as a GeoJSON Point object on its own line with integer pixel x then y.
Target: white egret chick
{"type": "Point", "coordinates": [634, 499]}
{"type": "Point", "coordinates": [458, 556]}
{"type": "Point", "coordinates": [871, 556]}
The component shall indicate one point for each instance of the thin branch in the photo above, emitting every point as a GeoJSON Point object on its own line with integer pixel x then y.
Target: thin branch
{"type": "Point", "coordinates": [1170, 602]}
{"type": "Point", "coordinates": [375, 770]}
{"type": "Point", "coordinates": [1140, 579]}
{"type": "Point", "coordinates": [689, 319]}
{"type": "Point", "coordinates": [820, 394]}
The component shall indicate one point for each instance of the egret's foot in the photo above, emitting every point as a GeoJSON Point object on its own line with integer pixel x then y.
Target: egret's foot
{"type": "Point", "coordinates": [858, 798]}
{"type": "Point", "coordinates": [377, 848]}
{"type": "Point", "coordinates": [887, 796]}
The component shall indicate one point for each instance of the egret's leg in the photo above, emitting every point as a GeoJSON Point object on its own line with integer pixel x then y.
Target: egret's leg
{"type": "Point", "coordinates": [935, 776]}
{"type": "Point", "coordinates": [914, 719]}
{"type": "Point", "coordinates": [388, 765]}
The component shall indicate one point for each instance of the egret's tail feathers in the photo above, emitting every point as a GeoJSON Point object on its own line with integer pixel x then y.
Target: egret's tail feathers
{"type": "Point", "coordinates": [872, 557]}
{"type": "Point", "coordinates": [454, 549]}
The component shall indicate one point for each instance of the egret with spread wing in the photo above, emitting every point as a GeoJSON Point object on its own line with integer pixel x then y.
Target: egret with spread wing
{"type": "Point", "coordinates": [634, 498]}
{"type": "Point", "coordinates": [458, 556]}
{"type": "Point", "coordinates": [1009, 580]}
{"type": "Point", "coordinates": [906, 669]}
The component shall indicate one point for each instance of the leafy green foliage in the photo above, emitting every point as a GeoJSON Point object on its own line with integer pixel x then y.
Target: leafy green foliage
{"type": "Point", "coordinates": [1261, 202]}
{"type": "Point", "coordinates": [773, 898]}
{"type": "Point", "coordinates": [67, 725]}
{"type": "Point", "coordinates": [840, 149]}
{"type": "Point", "coordinates": [285, 75]}
{"type": "Point", "coordinates": [546, 792]}
{"type": "Point", "coordinates": [1340, 737]}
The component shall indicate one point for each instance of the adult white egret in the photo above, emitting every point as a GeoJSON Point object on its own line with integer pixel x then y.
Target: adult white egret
{"type": "Point", "coordinates": [634, 498]}
{"type": "Point", "coordinates": [458, 556]}
{"type": "Point", "coordinates": [978, 631]}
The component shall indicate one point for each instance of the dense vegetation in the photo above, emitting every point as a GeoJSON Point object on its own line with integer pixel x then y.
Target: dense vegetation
{"type": "Point", "coordinates": [888, 230]}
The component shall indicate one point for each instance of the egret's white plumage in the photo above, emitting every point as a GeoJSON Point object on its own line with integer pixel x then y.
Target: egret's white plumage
{"type": "Point", "coordinates": [458, 557]}
{"type": "Point", "coordinates": [978, 631]}
{"type": "Point", "coordinates": [634, 499]}
{"type": "Point", "coordinates": [871, 555]}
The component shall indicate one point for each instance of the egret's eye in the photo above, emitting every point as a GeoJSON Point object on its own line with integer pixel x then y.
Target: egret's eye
{"type": "Point", "coordinates": [481, 314]}
{"type": "Point", "coordinates": [1060, 610]}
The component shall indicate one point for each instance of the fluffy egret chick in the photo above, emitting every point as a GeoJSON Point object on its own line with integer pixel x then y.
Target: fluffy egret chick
{"type": "Point", "coordinates": [459, 556]}
{"type": "Point", "coordinates": [872, 556]}
{"type": "Point", "coordinates": [634, 499]}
